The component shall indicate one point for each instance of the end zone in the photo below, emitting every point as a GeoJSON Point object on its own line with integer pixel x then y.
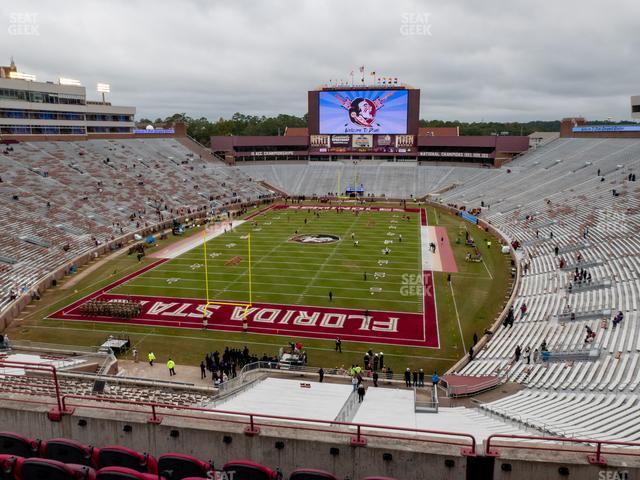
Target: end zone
{"type": "Point", "coordinates": [303, 321]}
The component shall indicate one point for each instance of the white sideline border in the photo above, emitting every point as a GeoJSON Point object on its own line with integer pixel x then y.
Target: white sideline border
{"type": "Point", "coordinates": [197, 240]}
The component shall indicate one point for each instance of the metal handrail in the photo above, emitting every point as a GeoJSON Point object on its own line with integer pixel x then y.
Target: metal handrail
{"type": "Point", "coordinates": [253, 426]}
{"type": "Point", "coordinates": [38, 367]}
{"type": "Point", "coordinates": [273, 366]}
{"type": "Point", "coordinates": [594, 459]}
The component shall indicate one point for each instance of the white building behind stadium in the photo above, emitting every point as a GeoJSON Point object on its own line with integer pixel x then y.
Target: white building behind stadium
{"type": "Point", "coordinates": [29, 107]}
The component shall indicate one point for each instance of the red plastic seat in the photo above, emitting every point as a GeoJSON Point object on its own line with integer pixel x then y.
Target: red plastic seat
{"type": "Point", "coordinates": [14, 444]}
{"type": "Point", "coordinates": [10, 467]}
{"type": "Point", "coordinates": [46, 469]}
{"type": "Point", "coordinates": [123, 473]}
{"type": "Point", "coordinates": [116, 456]}
{"type": "Point", "coordinates": [176, 466]}
{"type": "Point", "coordinates": [243, 470]}
{"type": "Point", "coordinates": [311, 474]}
{"type": "Point", "coordinates": [70, 451]}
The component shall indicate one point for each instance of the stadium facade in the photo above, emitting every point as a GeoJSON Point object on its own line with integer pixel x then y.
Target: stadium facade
{"type": "Point", "coordinates": [31, 108]}
{"type": "Point", "coordinates": [369, 123]}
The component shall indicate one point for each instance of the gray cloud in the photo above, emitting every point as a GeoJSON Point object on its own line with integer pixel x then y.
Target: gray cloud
{"type": "Point", "coordinates": [492, 60]}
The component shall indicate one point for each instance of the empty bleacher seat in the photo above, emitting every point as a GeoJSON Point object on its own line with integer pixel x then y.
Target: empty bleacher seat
{"type": "Point", "coordinates": [243, 470]}
{"type": "Point", "coordinates": [175, 466]}
{"type": "Point", "coordinates": [9, 466]}
{"type": "Point", "coordinates": [46, 469]}
{"type": "Point", "coordinates": [14, 444]}
{"type": "Point", "coordinates": [70, 451]}
{"type": "Point", "coordinates": [116, 456]}
{"type": "Point", "coordinates": [123, 473]}
{"type": "Point", "coordinates": [311, 474]}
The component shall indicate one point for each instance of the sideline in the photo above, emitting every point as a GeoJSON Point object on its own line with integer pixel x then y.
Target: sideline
{"type": "Point", "coordinates": [227, 340]}
{"type": "Point", "coordinates": [92, 268]}
{"type": "Point", "coordinates": [195, 240]}
{"type": "Point", "coordinates": [455, 306]}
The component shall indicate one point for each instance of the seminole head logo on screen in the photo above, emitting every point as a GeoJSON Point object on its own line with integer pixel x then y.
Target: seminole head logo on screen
{"type": "Point", "coordinates": [362, 111]}
{"type": "Point", "coordinates": [353, 112]}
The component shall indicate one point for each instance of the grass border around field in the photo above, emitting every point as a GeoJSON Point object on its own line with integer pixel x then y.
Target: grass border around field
{"type": "Point", "coordinates": [478, 300]}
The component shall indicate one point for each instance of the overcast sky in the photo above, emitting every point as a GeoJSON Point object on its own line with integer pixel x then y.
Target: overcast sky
{"type": "Point", "coordinates": [473, 60]}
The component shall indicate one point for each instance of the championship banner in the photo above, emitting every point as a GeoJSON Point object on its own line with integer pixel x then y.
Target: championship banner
{"type": "Point", "coordinates": [340, 140]}
{"type": "Point", "coordinates": [319, 141]}
{"type": "Point", "coordinates": [455, 154]}
{"type": "Point", "coordinates": [362, 141]}
{"type": "Point", "coordinates": [384, 140]}
{"type": "Point", "coordinates": [404, 141]}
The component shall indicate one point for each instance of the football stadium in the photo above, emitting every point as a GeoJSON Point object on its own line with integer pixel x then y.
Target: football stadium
{"type": "Point", "coordinates": [354, 293]}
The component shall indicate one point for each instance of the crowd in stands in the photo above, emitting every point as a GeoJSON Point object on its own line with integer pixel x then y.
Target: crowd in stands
{"type": "Point", "coordinates": [65, 199]}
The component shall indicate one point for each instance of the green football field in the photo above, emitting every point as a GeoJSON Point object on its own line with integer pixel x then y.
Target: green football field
{"type": "Point", "coordinates": [288, 272]}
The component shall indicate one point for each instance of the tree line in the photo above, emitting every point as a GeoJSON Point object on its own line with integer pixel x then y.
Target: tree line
{"type": "Point", "coordinates": [240, 124]}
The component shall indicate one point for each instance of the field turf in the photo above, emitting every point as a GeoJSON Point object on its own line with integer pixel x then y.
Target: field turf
{"type": "Point", "coordinates": [292, 273]}
{"type": "Point", "coordinates": [295, 274]}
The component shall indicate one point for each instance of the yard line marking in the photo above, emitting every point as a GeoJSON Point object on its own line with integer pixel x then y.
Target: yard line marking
{"type": "Point", "coordinates": [326, 260]}
{"type": "Point", "coordinates": [361, 299]}
{"type": "Point", "coordinates": [455, 305]}
{"type": "Point", "coordinates": [487, 268]}
{"type": "Point", "coordinates": [161, 284]}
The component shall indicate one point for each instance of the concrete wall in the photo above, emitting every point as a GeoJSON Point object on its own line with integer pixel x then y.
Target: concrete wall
{"type": "Point", "coordinates": [550, 465]}
{"type": "Point", "coordinates": [410, 460]}
{"type": "Point", "coordinates": [205, 439]}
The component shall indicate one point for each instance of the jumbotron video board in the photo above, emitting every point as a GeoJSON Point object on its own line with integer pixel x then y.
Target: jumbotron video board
{"type": "Point", "coordinates": [364, 111]}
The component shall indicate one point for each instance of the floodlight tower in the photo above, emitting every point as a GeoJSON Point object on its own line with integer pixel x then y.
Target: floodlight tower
{"type": "Point", "coordinates": [103, 88]}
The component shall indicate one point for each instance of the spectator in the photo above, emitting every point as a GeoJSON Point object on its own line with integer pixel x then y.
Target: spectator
{"type": "Point", "coordinates": [617, 319]}
{"type": "Point", "coordinates": [171, 365]}
{"type": "Point", "coordinates": [407, 377]}
{"type": "Point", "coordinates": [435, 379]}
{"type": "Point", "coordinates": [151, 356]}
{"type": "Point", "coordinates": [361, 392]}
{"type": "Point", "coordinates": [321, 374]}
{"type": "Point", "coordinates": [591, 335]}
{"type": "Point", "coordinates": [523, 310]}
